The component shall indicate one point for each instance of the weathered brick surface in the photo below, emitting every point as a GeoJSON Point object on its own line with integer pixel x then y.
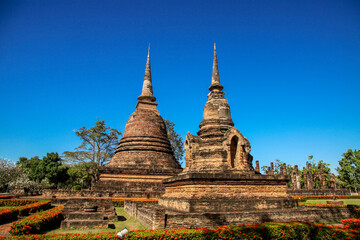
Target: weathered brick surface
{"type": "Point", "coordinates": [87, 212]}
{"type": "Point", "coordinates": [150, 214]}
{"type": "Point", "coordinates": [219, 175]}
{"type": "Point", "coordinates": [144, 156]}
{"type": "Point", "coordinates": [224, 204]}
{"type": "Point", "coordinates": [217, 219]}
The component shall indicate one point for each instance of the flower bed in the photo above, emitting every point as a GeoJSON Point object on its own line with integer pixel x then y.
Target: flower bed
{"type": "Point", "coordinates": [292, 230]}
{"type": "Point", "coordinates": [119, 202]}
{"type": "Point", "coordinates": [8, 214]}
{"type": "Point", "coordinates": [6, 196]}
{"type": "Point", "coordinates": [37, 222]}
{"type": "Point", "coordinates": [304, 198]}
{"type": "Point", "coordinates": [88, 236]}
{"type": "Point", "coordinates": [17, 202]}
{"type": "Point", "coordinates": [351, 223]}
{"type": "Point", "coordinates": [321, 205]}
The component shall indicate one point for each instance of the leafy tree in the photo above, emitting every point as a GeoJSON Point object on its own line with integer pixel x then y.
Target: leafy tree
{"type": "Point", "coordinates": [53, 169]}
{"type": "Point", "coordinates": [349, 170]}
{"type": "Point", "coordinates": [7, 174]}
{"type": "Point", "coordinates": [80, 174]}
{"type": "Point", "coordinates": [49, 171]}
{"type": "Point", "coordinates": [176, 141]}
{"type": "Point", "coordinates": [98, 146]}
{"type": "Point", "coordinates": [29, 166]}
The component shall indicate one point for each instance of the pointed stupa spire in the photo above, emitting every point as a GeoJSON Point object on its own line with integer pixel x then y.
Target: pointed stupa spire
{"type": "Point", "coordinates": [147, 90]}
{"type": "Point", "coordinates": [215, 80]}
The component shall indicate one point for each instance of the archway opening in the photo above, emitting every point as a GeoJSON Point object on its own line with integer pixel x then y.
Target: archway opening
{"type": "Point", "coordinates": [233, 150]}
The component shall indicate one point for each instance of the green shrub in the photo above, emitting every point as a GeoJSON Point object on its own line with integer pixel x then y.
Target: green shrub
{"type": "Point", "coordinates": [8, 214]}
{"type": "Point", "coordinates": [17, 202]}
{"type": "Point", "coordinates": [77, 187]}
{"type": "Point", "coordinates": [6, 196]}
{"type": "Point", "coordinates": [351, 223]}
{"type": "Point", "coordinates": [268, 231]}
{"type": "Point", "coordinates": [37, 222]}
{"type": "Point", "coordinates": [72, 236]}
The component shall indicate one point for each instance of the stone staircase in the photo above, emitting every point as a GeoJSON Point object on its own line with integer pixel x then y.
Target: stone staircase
{"type": "Point", "coordinates": [88, 212]}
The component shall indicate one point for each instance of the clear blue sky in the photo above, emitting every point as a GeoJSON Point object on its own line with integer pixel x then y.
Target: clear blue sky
{"type": "Point", "coordinates": [290, 70]}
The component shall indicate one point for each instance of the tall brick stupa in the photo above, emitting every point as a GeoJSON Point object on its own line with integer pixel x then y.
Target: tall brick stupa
{"type": "Point", "coordinates": [144, 156]}
{"type": "Point", "coordinates": [219, 175]}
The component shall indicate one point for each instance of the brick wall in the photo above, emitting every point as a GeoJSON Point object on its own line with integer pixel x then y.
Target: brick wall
{"type": "Point", "coordinates": [212, 220]}
{"type": "Point", "coordinates": [150, 214]}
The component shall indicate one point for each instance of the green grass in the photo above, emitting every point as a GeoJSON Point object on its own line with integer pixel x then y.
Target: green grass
{"type": "Point", "coordinates": [346, 201]}
{"type": "Point", "coordinates": [2, 207]}
{"type": "Point", "coordinates": [128, 221]}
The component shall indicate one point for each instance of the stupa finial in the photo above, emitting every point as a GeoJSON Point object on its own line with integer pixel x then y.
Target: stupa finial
{"type": "Point", "coordinates": [147, 90]}
{"type": "Point", "coordinates": [215, 80]}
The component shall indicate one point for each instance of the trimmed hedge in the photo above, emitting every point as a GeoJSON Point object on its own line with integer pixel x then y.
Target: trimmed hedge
{"type": "Point", "coordinates": [304, 198]}
{"type": "Point", "coordinates": [8, 214]}
{"type": "Point", "coordinates": [291, 230]}
{"type": "Point", "coordinates": [72, 236]}
{"type": "Point", "coordinates": [322, 205]}
{"type": "Point", "coordinates": [17, 202]}
{"type": "Point", "coordinates": [37, 222]}
{"type": "Point", "coordinates": [351, 223]}
{"type": "Point", "coordinates": [6, 196]}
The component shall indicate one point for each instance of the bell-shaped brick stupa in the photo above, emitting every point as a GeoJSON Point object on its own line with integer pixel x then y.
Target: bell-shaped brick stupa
{"type": "Point", "coordinates": [144, 156]}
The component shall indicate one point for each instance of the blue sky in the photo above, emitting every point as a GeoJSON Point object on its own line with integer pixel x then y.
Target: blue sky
{"type": "Point", "coordinates": [290, 70]}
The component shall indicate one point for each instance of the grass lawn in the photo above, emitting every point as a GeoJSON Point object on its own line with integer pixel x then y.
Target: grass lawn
{"type": "Point", "coordinates": [126, 220]}
{"type": "Point", "coordinates": [346, 201]}
{"type": "Point", "coordinates": [2, 207]}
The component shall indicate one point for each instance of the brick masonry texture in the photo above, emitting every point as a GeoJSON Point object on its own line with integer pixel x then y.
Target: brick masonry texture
{"type": "Point", "coordinates": [144, 156]}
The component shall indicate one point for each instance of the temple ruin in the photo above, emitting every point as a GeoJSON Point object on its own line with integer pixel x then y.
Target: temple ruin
{"type": "Point", "coordinates": [219, 185]}
{"type": "Point", "coordinates": [144, 156]}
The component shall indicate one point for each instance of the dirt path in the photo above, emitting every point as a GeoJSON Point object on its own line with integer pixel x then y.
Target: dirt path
{"type": "Point", "coordinates": [4, 229]}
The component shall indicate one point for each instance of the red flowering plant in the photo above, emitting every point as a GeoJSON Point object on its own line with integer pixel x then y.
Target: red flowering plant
{"type": "Point", "coordinates": [17, 202]}
{"type": "Point", "coordinates": [322, 205]}
{"type": "Point", "coordinates": [6, 196]}
{"type": "Point", "coordinates": [37, 222]}
{"type": "Point", "coordinates": [321, 231]}
{"type": "Point", "coordinates": [8, 214]}
{"type": "Point", "coordinates": [72, 236]}
{"type": "Point", "coordinates": [291, 230]}
{"type": "Point", "coordinates": [351, 223]}
{"type": "Point", "coordinates": [304, 198]}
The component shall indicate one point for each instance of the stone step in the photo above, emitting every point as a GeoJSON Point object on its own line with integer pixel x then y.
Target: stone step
{"type": "Point", "coordinates": [83, 223]}
{"type": "Point", "coordinates": [84, 216]}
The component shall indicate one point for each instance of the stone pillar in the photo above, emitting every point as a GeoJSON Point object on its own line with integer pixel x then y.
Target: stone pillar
{"type": "Point", "coordinates": [268, 171]}
{"type": "Point", "coordinates": [293, 180]}
{"type": "Point", "coordinates": [257, 168]}
{"type": "Point", "coordinates": [324, 186]}
{"type": "Point", "coordinates": [305, 178]}
{"type": "Point", "coordinates": [310, 178]}
{"type": "Point", "coordinates": [285, 170]}
{"type": "Point", "coordinates": [281, 170]}
{"type": "Point", "coordinates": [297, 177]}
{"type": "Point", "coordinates": [322, 178]}
{"type": "Point", "coordinates": [272, 168]}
